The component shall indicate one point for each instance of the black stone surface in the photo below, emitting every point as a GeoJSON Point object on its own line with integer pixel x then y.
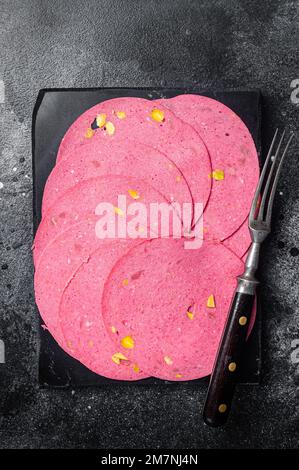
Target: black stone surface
{"type": "Point", "coordinates": [213, 45]}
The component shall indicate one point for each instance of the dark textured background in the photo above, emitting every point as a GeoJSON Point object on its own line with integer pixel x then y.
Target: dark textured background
{"type": "Point", "coordinates": [211, 44]}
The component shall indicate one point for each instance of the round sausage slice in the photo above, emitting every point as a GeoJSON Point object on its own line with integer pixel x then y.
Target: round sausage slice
{"type": "Point", "coordinates": [234, 160]}
{"type": "Point", "coordinates": [170, 313]}
{"type": "Point", "coordinates": [137, 120]}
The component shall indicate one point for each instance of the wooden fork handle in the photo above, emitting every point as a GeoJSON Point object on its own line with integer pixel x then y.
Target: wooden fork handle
{"type": "Point", "coordinates": [227, 363]}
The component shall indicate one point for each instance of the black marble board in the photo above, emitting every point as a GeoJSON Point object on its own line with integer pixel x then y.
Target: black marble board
{"type": "Point", "coordinates": [55, 111]}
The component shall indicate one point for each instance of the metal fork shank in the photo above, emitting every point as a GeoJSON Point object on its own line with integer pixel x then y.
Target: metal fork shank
{"type": "Point", "coordinates": [247, 282]}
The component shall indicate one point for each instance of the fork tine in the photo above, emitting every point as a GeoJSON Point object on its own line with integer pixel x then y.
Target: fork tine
{"type": "Point", "coordinates": [261, 180]}
{"type": "Point", "coordinates": [269, 178]}
{"type": "Point", "coordinates": [274, 186]}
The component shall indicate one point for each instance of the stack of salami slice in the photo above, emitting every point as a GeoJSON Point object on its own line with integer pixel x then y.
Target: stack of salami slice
{"type": "Point", "coordinates": [132, 307]}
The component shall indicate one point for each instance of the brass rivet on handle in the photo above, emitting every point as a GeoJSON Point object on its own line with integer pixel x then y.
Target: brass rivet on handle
{"type": "Point", "coordinates": [222, 408]}
{"type": "Point", "coordinates": [242, 321]}
{"type": "Point", "coordinates": [232, 367]}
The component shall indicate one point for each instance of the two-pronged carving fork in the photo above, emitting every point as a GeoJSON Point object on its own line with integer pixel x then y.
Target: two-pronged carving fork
{"type": "Point", "coordinates": [229, 356]}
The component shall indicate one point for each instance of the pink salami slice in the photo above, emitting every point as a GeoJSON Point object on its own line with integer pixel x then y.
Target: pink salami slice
{"type": "Point", "coordinates": [82, 322]}
{"type": "Point", "coordinates": [118, 158]}
{"type": "Point", "coordinates": [57, 265]}
{"type": "Point", "coordinates": [84, 200]}
{"type": "Point", "coordinates": [163, 306]}
{"type": "Point", "coordinates": [61, 262]}
{"type": "Point", "coordinates": [173, 137]}
{"type": "Point", "coordinates": [232, 151]}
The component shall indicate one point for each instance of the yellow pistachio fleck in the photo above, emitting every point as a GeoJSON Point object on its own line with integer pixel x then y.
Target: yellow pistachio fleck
{"type": "Point", "coordinates": [113, 329]}
{"type": "Point", "coordinates": [120, 114]}
{"type": "Point", "coordinates": [136, 368]}
{"type": "Point", "coordinates": [119, 211]}
{"type": "Point", "coordinates": [191, 311]}
{"type": "Point", "coordinates": [121, 356]}
{"type": "Point", "coordinates": [218, 175]}
{"type": "Point", "coordinates": [115, 359]}
{"type": "Point", "coordinates": [127, 342]}
{"type": "Point", "coordinates": [125, 282]}
{"type": "Point", "coordinates": [134, 194]}
{"type": "Point", "coordinates": [157, 115]}
{"type": "Point", "coordinates": [178, 376]}
{"type": "Point", "coordinates": [178, 178]}
{"type": "Point", "coordinates": [211, 301]}
{"type": "Point", "coordinates": [110, 128]}
{"type": "Point", "coordinates": [118, 357]}
{"type": "Point", "coordinates": [168, 360]}
{"type": "Point", "coordinates": [190, 315]}
{"type": "Point", "coordinates": [101, 120]}
{"type": "Point", "coordinates": [89, 133]}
